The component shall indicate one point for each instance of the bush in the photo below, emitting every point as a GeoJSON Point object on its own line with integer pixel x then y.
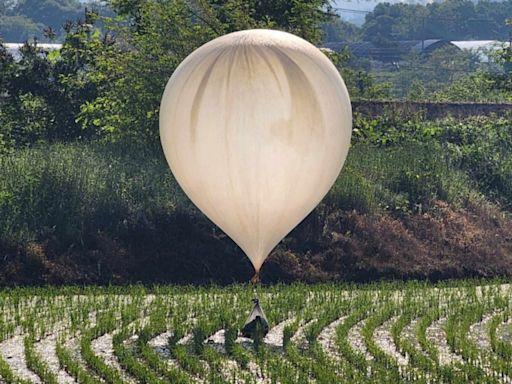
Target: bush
{"type": "Point", "coordinates": [42, 93]}
{"type": "Point", "coordinates": [476, 152]}
{"type": "Point", "coordinates": [105, 212]}
{"type": "Point", "coordinates": [73, 191]}
{"type": "Point", "coordinates": [398, 179]}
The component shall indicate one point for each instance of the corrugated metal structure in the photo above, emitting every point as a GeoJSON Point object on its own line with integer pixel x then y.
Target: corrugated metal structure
{"type": "Point", "coordinates": [483, 48]}
{"type": "Point", "coordinates": [398, 50]}
{"type": "Point", "coordinates": [14, 48]}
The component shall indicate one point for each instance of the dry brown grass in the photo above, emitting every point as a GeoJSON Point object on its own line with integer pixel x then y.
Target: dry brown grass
{"type": "Point", "coordinates": [329, 245]}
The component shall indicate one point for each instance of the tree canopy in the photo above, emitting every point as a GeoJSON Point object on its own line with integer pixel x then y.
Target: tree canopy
{"type": "Point", "coordinates": [160, 35]}
{"type": "Point", "coordinates": [21, 20]}
{"type": "Point", "coordinates": [108, 82]}
{"type": "Point", "coordinates": [449, 20]}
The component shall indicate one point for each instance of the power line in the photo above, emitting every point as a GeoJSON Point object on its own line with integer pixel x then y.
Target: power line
{"type": "Point", "coordinates": [436, 17]}
{"type": "Point", "coordinates": [352, 10]}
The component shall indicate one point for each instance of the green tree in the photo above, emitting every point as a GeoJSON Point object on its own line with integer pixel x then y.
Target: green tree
{"type": "Point", "coordinates": [340, 30]}
{"type": "Point", "coordinates": [155, 36]}
{"type": "Point", "coordinates": [43, 92]}
{"type": "Point", "coordinates": [389, 22]}
{"type": "Point", "coordinates": [361, 84]}
{"type": "Point", "coordinates": [420, 76]}
{"type": "Point", "coordinates": [52, 13]}
{"type": "Point", "coordinates": [17, 29]}
{"type": "Point", "coordinates": [476, 87]}
{"type": "Point", "coordinates": [449, 20]}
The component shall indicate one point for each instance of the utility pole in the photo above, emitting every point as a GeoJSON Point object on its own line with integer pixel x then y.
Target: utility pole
{"type": "Point", "coordinates": [423, 34]}
{"type": "Point", "coordinates": [510, 43]}
{"type": "Point", "coordinates": [508, 60]}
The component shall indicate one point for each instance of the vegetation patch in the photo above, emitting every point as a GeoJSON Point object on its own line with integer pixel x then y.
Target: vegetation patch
{"type": "Point", "coordinates": [415, 199]}
{"type": "Point", "coordinates": [390, 332]}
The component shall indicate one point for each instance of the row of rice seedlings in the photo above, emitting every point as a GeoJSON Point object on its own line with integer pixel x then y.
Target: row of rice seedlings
{"type": "Point", "coordinates": [103, 311]}
{"type": "Point", "coordinates": [287, 299]}
{"type": "Point", "coordinates": [420, 365]}
{"type": "Point", "coordinates": [321, 367]}
{"type": "Point", "coordinates": [295, 354]}
{"type": "Point", "coordinates": [8, 376]}
{"type": "Point", "coordinates": [228, 316]}
{"type": "Point", "coordinates": [438, 309]}
{"type": "Point", "coordinates": [157, 325]}
{"type": "Point", "coordinates": [320, 309]}
{"type": "Point", "coordinates": [383, 365]}
{"type": "Point", "coordinates": [502, 351]}
{"type": "Point", "coordinates": [456, 329]}
{"type": "Point", "coordinates": [199, 333]}
{"type": "Point", "coordinates": [354, 358]}
{"type": "Point", "coordinates": [40, 317]}
{"type": "Point", "coordinates": [459, 325]}
{"type": "Point", "coordinates": [72, 367]}
{"type": "Point", "coordinates": [338, 365]}
{"type": "Point", "coordinates": [187, 356]}
{"type": "Point", "coordinates": [106, 323]}
{"type": "Point", "coordinates": [364, 304]}
{"type": "Point", "coordinates": [420, 331]}
{"type": "Point", "coordinates": [451, 306]}
{"type": "Point", "coordinates": [36, 364]}
{"type": "Point", "coordinates": [129, 362]}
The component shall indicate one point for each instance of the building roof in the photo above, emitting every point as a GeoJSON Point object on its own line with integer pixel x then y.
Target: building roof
{"type": "Point", "coordinates": [481, 47]}
{"type": "Point", "coordinates": [14, 48]}
{"type": "Point", "coordinates": [390, 52]}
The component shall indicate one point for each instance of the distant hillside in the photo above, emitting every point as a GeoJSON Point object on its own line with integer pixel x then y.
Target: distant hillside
{"type": "Point", "coordinates": [384, 22]}
{"type": "Point", "coordinates": [355, 11]}
{"type": "Point", "coordinates": [23, 20]}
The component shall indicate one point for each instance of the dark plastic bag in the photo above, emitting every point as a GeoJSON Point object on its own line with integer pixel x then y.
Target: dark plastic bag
{"type": "Point", "coordinates": [256, 317]}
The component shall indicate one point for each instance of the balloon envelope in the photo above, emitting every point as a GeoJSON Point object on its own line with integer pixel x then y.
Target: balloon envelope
{"type": "Point", "coordinates": [255, 126]}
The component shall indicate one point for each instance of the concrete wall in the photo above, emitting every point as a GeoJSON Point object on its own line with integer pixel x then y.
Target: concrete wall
{"type": "Point", "coordinates": [428, 109]}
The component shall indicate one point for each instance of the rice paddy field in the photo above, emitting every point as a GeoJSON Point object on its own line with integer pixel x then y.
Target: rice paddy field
{"type": "Point", "coordinates": [454, 332]}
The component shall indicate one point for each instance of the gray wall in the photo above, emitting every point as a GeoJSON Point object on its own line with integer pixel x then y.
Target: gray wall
{"type": "Point", "coordinates": [428, 109]}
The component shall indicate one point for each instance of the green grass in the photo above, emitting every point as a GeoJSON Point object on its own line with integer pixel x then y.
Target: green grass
{"type": "Point", "coordinates": [71, 192]}
{"type": "Point", "coordinates": [403, 178]}
{"type": "Point", "coordinates": [76, 210]}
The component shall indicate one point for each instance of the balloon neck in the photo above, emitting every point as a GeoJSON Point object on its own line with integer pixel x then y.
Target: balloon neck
{"type": "Point", "coordinates": [256, 278]}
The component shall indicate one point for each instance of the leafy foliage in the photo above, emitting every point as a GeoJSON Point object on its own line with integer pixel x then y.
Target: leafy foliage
{"type": "Point", "coordinates": [113, 209]}
{"type": "Point", "coordinates": [479, 146]}
{"type": "Point", "coordinates": [109, 84]}
{"type": "Point", "coordinates": [448, 20]}
{"type": "Point", "coordinates": [160, 35]}
{"type": "Point", "coordinates": [22, 20]}
{"type": "Point", "coordinates": [44, 91]}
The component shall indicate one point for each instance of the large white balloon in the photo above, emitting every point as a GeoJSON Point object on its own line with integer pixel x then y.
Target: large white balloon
{"type": "Point", "coordinates": [256, 126]}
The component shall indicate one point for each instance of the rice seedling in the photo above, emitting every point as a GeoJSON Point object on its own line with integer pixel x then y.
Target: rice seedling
{"type": "Point", "coordinates": [200, 332]}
